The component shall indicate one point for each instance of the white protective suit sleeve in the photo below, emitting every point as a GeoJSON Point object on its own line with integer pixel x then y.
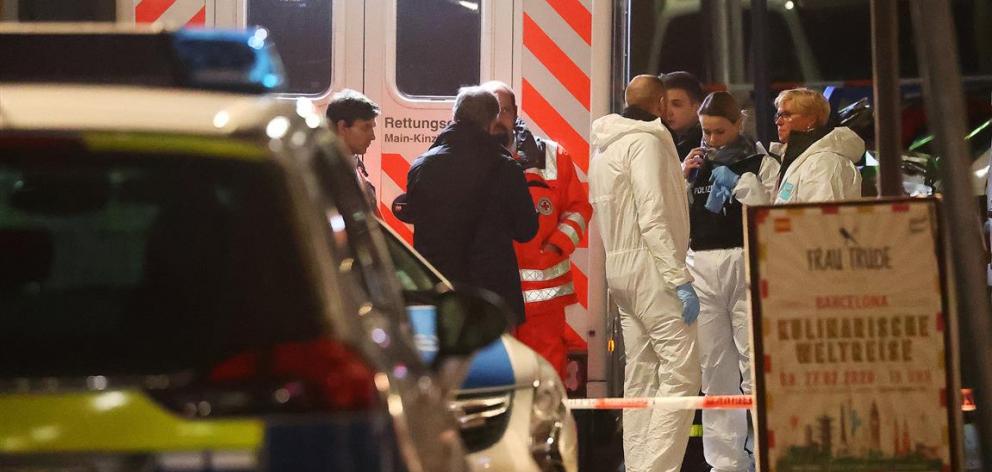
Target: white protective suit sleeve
{"type": "Point", "coordinates": [655, 208]}
{"type": "Point", "coordinates": [759, 189]}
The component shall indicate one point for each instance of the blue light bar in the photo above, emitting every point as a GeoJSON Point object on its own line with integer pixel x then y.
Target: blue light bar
{"type": "Point", "coordinates": [235, 61]}
{"type": "Point", "coordinates": [225, 60]}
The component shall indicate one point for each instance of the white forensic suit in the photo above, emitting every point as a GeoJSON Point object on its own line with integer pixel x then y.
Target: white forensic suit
{"type": "Point", "coordinates": [638, 196]}
{"type": "Point", "coordinates": [825, 171]}
{"type": "Point", "coordinates": [716, 263]}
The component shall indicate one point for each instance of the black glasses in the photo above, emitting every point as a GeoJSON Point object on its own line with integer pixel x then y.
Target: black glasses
{"type": "Point", "coordinates": [785, 115]}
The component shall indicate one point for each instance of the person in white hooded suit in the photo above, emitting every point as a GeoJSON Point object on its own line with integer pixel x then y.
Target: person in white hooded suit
{"type": "Point", "coordinates": [640, 206]}
{"type": "Point", "coordinates": [817, 161]}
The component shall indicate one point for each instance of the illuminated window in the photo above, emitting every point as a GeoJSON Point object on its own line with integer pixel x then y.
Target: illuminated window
{"type": "Point", "coordinates": [301, 30]}
{"type": "Point", "coordinates": [437, 46]}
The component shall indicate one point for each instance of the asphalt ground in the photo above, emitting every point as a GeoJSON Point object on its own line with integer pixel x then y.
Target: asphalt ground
{"type": "Point", "coordinates": [601, 448]}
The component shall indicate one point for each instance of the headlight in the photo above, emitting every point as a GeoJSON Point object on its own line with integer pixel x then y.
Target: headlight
{"type": "Point", "coordinates": [547, 414]}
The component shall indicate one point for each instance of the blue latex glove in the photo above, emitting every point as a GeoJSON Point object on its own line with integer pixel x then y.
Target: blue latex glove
{"type": "Point", "coordinates": [724, 177]}
{"type": "Point", "coordinates": [723, 181]}
{"type": "Point", "coordinates": [690, 302]}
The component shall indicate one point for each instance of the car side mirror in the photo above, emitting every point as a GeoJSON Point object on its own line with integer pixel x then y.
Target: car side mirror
{"type": "Point", "coordinates": [468, 320]}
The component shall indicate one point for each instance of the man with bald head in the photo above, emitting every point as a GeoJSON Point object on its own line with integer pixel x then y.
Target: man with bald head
{"type": "Point", "coordinates": [638, 193]}
{"type": "Point", "coordinates": [645, 97]}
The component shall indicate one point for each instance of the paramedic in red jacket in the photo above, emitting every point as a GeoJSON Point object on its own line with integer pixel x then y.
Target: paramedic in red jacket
{"type": "Point", "coordinates": [564, 212]}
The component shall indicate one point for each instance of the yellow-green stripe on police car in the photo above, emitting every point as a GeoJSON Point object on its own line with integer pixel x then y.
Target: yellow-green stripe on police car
{"type": "Point", "coordinates": [113, 421]}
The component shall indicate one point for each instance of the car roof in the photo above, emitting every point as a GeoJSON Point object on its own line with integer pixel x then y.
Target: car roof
{"type": "Point", "coordinates": [63, 107]}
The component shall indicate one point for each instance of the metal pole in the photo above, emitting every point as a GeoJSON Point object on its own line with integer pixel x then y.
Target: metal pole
{"type": "Point", "coordinates": [937, 54]}
{"type": "Point", "coordinates": [735, 31]}
{"type": "Point", "coordinates": [603, 76]}
{"type": "Point", "coordinates": [720, 41]}
{"type": "Point", "coordinates": [885, 62]}
{"type": "Point", "coordinates": [759, 67]}
{"type": "Point", "coordinates": [620, 54]}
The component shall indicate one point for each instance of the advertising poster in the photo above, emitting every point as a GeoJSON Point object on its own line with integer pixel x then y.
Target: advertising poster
{"type": "Point", "coordinates": [850, 338]}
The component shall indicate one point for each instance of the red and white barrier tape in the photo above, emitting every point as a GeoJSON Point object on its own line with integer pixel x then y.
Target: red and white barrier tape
{"type": "Point", "coordinates": [713, 402]}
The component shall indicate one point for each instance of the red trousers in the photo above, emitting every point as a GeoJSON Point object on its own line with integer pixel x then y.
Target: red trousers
{"type": "Point", "coordinates": [548, 334]}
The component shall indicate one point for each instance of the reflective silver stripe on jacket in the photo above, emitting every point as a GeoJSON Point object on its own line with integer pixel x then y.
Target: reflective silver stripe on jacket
{"type": "Point", "coordinates": [550, 171]}
{"type": "Point", "coordinates": [553, 272]}
{"type": "Point", "coordinates": [570, 232]}
{"type": "Point", "coordinates": [544, 294]}
{"type": "Point", "coordinates": [577, 218]}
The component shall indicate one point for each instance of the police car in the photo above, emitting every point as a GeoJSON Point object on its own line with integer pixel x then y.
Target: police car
{"type": "Point", "coordinates": [192, 279]}
{"type": "Point", "coordinates": [511, 406]}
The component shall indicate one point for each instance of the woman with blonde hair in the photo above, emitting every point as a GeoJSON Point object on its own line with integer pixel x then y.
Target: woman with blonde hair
{"type": "Point", "coordinates": [726, 172]}
{"type": "Point", "coordinates": [817, 160]}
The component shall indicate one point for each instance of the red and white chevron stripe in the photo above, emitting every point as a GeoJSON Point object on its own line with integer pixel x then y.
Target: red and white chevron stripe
{"type": "Point", "coordinates": [556, 62]}
{"type": "Point", "coordinates": [171, 12]}
{"type": "Point", "coordinates": [394, 170]}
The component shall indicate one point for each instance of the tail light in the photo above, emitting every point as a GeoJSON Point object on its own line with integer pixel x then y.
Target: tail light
{"type": "Point", "coordinates": [319, 375]}
{"type": "Point", "coordinates": [322, 373]}
{"type": "Point", "coordinates": [967, 400]}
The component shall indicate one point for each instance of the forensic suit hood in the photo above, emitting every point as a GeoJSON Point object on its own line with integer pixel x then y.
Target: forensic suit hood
{"type": "Point", "coordinates": [641, 209]}
{"type": "Point", "coordinates": [825, 171]}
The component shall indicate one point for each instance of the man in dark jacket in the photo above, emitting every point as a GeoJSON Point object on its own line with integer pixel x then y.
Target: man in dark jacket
{"type": "Point", "coordinates": [683, 94]}
{"type": "Point", "coordinates": [468, 201]}
{"type": "Point", "coordinates": [352, 117]}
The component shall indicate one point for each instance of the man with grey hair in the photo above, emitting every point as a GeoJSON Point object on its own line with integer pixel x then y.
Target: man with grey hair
{"type": "Point", "coordinates": [468, 201]}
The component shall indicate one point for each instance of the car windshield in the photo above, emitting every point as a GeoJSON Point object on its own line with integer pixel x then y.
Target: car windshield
{"type": "Point", "coordinates": [131, 264]}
